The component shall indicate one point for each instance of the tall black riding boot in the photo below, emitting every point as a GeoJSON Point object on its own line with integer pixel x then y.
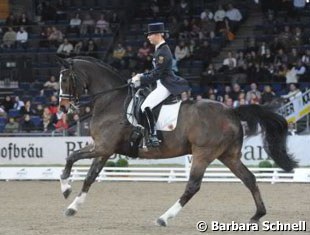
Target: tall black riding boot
{"type": "Point", "coordinates": [153, 140]}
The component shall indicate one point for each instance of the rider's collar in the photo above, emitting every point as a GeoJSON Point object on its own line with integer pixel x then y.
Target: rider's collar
{"type": "Point", "coordinates": [158, 45]}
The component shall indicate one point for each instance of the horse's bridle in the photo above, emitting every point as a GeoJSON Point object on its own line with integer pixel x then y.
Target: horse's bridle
{"type": "Point", "coordinates": [72, 95]}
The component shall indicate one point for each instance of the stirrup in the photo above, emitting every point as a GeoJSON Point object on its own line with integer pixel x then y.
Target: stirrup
{"type": "Point", "coordinates": [153, 141]}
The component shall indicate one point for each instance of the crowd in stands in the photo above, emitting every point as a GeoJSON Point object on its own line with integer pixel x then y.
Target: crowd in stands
{"type": "Point", "coordinates": [275, 63]}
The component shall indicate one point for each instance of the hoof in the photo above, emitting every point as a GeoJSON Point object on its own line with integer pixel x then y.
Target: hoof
{"type": "Point", "coordinates": [70, 212]}
{"type": "Point", "coordinates": [67, 193]}
{"type": "Point", "coordinates": [161, 222]}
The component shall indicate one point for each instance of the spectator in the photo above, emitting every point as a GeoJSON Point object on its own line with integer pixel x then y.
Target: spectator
{"type": "Point", "coordinates": [47, 120]}
{"type": "Point", "coordinates": [12, 126]}
{"type": "Point", "coordinates": [118, 56]}
{"type": "Point", "coordinates": [206, 14]}
{"type": "Point", "coordinates": [23, 20]}
{"type": "Point", "coordinates": [204, 53]}
{"type": "Point", "coordinates": [44, 36]}
{"type": "Point", "coordinates": [293, 56]}
{"type": "Point", "coordinates": [130, 58]}
{"type": "Point", "coordinates": [88, 25]}
{"type": "Point", "coordinates": [185, 29]}
{"type": "Point", "coordinates": [299, 6]}
{"type": "Point", "coordinates": [268, 95]}
{"type": "Point", "coordinates": [154, 7]}
{"type": "Point", "coordinates": [7, 103]}
{"type": "Point", "coordinates": [253, 90]}
{"type": "Point", "coordinates": [75, 126]}
{"type": "Point", "coordinates": [55, 37]}
{"type": "Point", "coordinates": [241, 100]}
{"type": "Point", "coordinates": [236, 90]}
{"type": "Point", "coordinates": [293, 92]}
{"type": "Point", "coordinates": [229, 63]}
{"type": "Point", "coordinates": [61, 9]}
{"type": "Point", "coordinates": [183, 9]}
{"type": "Point", "coordinates": [291, 75]}
{"type": "Point", "coordinates": [18, 104]}
{"type": "Point", "coordinates": [305, 59]}
{"type": "Point", "coordinates": [65, 48]}
{"type": "Point", "coordinates": [22, 38]}
{"type": "Point", "coordinates": [181, 52]}
{"type": "Point", "coordinates": [39, 110]}
{"type": "Point", "coordinates": [297, 37]}
{"type": "Point", "coordinates": [2, 112]}
{"type": "Point", "coordinates": [27, 109]}
{"type": "Point", "coordinates": [114, 22]}
{"type": "Point", "coordinates": [229, 102]}
{"type": "Point", "coordinates": [234, 17]}
{"type": "Point", "coordinates": [62, 123]}
{"type": "Point", "coordinates": [281, 58]}
{"type": "Point", "coordinates": [102, 25]}
{"type": "Point", "coordinates": [9, 38]}
{"type": "Point", "coordinates": [276, 45]}
{"type": "Point", "coordinates": [75, 24]}
{"type": "Point", "coordinates": [11, 20]}
{"type": "Point", "coordinates": [91, 49]}
{"type": "Point", "coordinates": [53, 107]}
{"type": "Point", "coordinates": [78, 48]}
{"type": "Point", "coordinates": [286, 36]}
{"type": "Point", "coordinates": [300, 69]}
{"type": "Point", "coordinates": [144, 55]}
{"type": "Point", "coordinates": [175, 27]}
{"type": "Point", "coordinates": [219, 17]}
{"type": "Point", "coordinates": [27, 125]}
{"type": "Point", "coordinates": [51, 84]}
{"type": "Point", "coordinates": [267, 58]}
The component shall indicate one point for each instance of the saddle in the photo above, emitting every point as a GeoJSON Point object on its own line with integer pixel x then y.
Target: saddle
{"type": "Point", "coordinates": [138, 99]}
{"type": "Point", "coordinates": [137, 119]}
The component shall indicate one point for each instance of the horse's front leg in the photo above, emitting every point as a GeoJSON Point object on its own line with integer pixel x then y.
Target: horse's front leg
{"type": "Point", "coordinates": [95, 169]}
{"type": "Point", "coordinates": [84, 153]}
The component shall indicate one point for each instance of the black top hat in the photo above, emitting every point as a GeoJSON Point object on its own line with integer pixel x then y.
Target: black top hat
{"type": "Point", "coordinates": [156, 28]}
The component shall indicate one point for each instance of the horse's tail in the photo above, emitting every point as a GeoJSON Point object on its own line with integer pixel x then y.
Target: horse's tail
{"type": "Point", "coordinates": [274, 129]}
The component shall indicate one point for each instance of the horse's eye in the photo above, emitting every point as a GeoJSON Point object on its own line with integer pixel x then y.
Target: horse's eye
{"type": "Point", "coordinates": [64, 80]}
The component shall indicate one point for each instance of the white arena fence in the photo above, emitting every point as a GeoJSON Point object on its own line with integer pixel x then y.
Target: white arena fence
{"type": "Point", "coordinates": [153, 174]}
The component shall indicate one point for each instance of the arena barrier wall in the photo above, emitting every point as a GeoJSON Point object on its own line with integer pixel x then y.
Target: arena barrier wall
{"type": "Point", "coordinates": [53, 151]}
{"type": "Point", "coordinates": [154, 174]}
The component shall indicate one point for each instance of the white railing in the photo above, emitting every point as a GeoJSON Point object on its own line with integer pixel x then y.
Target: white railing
{"type": "Point", "coordinates": [154, 174]}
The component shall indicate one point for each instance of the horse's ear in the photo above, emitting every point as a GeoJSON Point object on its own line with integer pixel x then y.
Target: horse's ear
{"type": "Point", "coordinates": [63, 62]}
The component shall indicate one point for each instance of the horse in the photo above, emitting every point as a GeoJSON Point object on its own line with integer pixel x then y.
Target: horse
{"type": "Point", "coordinates": [206, 130]}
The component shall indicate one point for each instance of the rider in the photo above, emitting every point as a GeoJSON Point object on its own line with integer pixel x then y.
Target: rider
{"type": "Point", "coordinates": [167, 82]}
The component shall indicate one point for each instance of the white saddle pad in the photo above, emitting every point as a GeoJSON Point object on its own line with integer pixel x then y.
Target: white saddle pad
{"type": "Point", "coordinates": [167, 119]}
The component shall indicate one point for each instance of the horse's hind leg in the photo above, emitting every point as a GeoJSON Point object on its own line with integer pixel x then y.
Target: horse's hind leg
{"type": "Point", "coordinates": [234, 163]}
{"type": "Point", "coordinates": [95, 169]}
{"type": "Point", "coordinates": [199, 165]}
{"type": "Point", "coordinates": [84, 153]}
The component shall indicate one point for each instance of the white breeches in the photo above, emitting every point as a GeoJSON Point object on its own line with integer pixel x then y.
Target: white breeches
{"type": "Point", "coordinates": [156, 96]}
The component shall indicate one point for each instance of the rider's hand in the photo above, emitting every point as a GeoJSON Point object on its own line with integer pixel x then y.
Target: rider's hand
{"type": "Point", "coordinates": [136, 80]}
{"type": "Point", "coordinates": [136, 77]}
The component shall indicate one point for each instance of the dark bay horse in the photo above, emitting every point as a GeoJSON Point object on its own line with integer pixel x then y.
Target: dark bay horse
{"type": "Point", "coordinates": [207, 130]}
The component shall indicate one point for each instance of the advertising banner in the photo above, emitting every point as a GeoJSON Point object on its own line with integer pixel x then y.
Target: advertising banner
{"type": "Point", "coordinates": [297, 108]}
{"type": "Point", "coordinates": [54, 150]}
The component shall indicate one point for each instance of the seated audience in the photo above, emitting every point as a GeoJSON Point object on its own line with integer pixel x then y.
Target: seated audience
{"type": "Point", "coordinates": [12, 126]}
{"type": "Point", "coordinates": [27, 125]}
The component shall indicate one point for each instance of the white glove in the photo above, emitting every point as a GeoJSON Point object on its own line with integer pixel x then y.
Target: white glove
{"type": "Point", "coordinates": [136, 77]}
{"type": "Point", "coordinates": [136, 80]}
